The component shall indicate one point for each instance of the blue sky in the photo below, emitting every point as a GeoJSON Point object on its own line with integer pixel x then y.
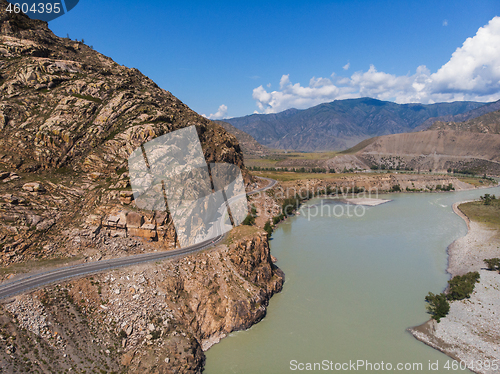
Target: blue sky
{"type": "Point", "coordinates": [233, 58]}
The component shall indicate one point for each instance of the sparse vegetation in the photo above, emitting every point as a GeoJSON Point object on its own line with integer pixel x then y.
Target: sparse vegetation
{"type": "Point", "coordinates": [493, 264]}
{"type": "Point", "coordinates": [459, 287]}
{"type": "Point", "coordinates": [449, 187]}
{"type": "Point", "coordinates": [249, 220]}
{"type": "Point", "coordinates": [462, 286]}
{"type": "Point", "coordinates": [486, 210]}
{"type": "Point", "coordinates": [268, 228]}
{"type": "Point", "coordinates": [89, 98]}
{"type": "Point", "coordinates": [437, 306]}
{"type": "Point", "coordinates": [395, 188]}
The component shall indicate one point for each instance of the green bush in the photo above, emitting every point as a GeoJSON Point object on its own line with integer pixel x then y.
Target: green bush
{"type": "Point", "coordinates": [268, 228]}
{"type": "Point", "coordinates": [395, 188]}
{"type": "Point", "coordinates": [249, 220]}
{"type": "Point", "coordinates": [493, 263]}
{"type": "Point", "coordinates": [487, 198]}
{"type": "Point", "coordinates": [438, 306]}
{"type": "Point", "coordinates": [277, 219]}
{"type": "Point", "coordinates": [289, 205]}
{"type": "Point", "coordinates": [462, 286]}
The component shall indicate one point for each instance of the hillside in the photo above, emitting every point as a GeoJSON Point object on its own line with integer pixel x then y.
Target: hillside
{"type": "Point", "coordinates": [435, 150]}
{"type": "Point", "coordinates": [342, 123]}
{"type": "Point", "coordinates": [249, 146]}
{"type": "Point", "coordinates": [486, 124]}
{"type": "Point", "coordinates": [63, 104]}
{"type": "Point", "coordinates": [69, 119]}
{"type": "Point", "coordinates": [471, 114]}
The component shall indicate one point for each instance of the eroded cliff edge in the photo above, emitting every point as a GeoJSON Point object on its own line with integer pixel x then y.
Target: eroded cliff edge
{"type": "Point", "coordinates": [155, 318]}
{"type": "Point", "coordinates": [69, 119]}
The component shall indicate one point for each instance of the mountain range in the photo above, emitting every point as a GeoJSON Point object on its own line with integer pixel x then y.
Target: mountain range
{"type": "Point", "coordinates": [341, 124]}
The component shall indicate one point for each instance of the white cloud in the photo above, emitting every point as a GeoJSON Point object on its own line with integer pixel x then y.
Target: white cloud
{"type": "Point", "coordinates": [474, 67]}
{"type": "Point", "coordinates": [320, 90]}
{"type": "Point", "coordinates": [445, 22]}
{"type": "Point", "coordinates": [472, 73]}
{"type": "Point", "coordinates": [219, 114]}
{"type": "Point", "coordinates": [346, 66]}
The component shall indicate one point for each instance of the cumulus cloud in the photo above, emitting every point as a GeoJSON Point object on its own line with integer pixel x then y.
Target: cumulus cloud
{"type": "Point", "coordinates": [221, 112]}
{"type": "Point", "coordinates": [445, 22]}
{"type": "Point", "coordinates": [346, 66]}
{"type": "Point", "coordinates": [472, 73]}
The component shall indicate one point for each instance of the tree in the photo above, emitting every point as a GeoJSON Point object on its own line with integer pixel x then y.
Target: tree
{"type": "Point", "coordinates": [487, 198]}
{"type": "Point", "coordinates": [438, 306]}
{"type": "Point", "coordinates": [277, 219]}
{"type": "Point", "coordinates": [462, 286]}
{"type": "Point", "coordinates": [395, 188]}
{"type": "Point", "coordinates": [249, 220]}
{"type": "Point", "coordinates": [493, 263]}
{"type": "Point", "coordinates": [268, 228]}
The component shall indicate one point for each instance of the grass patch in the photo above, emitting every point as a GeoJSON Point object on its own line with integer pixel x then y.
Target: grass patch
{"type": "Point", "coordinates": [239, 233]}
{"type": "Point", "coordinates": [273, 159]}
{"type": "Point", "coordinates": [32, 265]}
{"type": "Point", "coordinates": [310, 155]}
{"type": "Point", "coordinates": [478, 211]}
{"type": "Point", "coordinates": [477, 182]}
{"type": "Point", "coordinates": [285, 176]}
{"type": "Point", "coordinates": [88, 98]}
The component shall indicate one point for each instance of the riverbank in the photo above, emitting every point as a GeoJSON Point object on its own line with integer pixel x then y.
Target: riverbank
{"type": "Point", "coordinates": [471, 330]}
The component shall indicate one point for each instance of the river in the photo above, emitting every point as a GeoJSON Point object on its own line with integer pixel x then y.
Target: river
{"type": "Point", "coordinates": [353, 286]}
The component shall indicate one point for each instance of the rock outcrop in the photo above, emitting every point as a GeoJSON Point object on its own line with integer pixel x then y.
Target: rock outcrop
{"type": "Point", "coordinates": [156, 319]}
{"type": "Point", "coordinates": [69, 118]}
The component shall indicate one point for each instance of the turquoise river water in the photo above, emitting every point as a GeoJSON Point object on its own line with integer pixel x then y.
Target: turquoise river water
{"type": "Point", "coordinates": [353, 286]}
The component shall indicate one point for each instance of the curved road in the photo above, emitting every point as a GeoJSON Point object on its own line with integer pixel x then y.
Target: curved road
{"type": "Point", "coordinates": [30, 282]}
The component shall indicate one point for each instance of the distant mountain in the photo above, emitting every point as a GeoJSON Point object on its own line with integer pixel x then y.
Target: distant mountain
{"type": "Point", "coordinates": [474, 113]}
{"type": "Point", "coordinates": [249, 146]}
{"type": "Point", "coordinates": [487, 124]}
{"type": "Point", "coordinates": [342, 123]}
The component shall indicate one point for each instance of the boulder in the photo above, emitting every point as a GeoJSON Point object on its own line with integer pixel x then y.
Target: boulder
{"type": "Point", "coordinates": [45, 225]}
{"type": "Point", "coordinates": [134, 220]}
{"type": "Point", "coordinates": [33, 187]}
{"type": "Point", "coordinates": [126, 197]}
{"type": "Point", "coordinates": [142, 232]}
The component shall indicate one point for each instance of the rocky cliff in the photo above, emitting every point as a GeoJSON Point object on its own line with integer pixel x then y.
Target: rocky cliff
{"type": "Point", "coordinates": [69, 119]}
{"type": "Point", "coordinates": [151, 318]}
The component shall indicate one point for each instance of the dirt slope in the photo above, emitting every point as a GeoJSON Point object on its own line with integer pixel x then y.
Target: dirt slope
{"type": "Point", "coordinates": [436, 150]}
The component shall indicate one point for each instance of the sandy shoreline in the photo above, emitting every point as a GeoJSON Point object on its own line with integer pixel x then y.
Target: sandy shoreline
{"type": "Point", "coordinates": [471, 330]}
{"type": "Point", "coordinates": [364, 201]}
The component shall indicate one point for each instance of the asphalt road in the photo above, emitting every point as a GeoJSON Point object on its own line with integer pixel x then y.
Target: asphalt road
{"type": "Point", "coordinates": [30, 282]}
